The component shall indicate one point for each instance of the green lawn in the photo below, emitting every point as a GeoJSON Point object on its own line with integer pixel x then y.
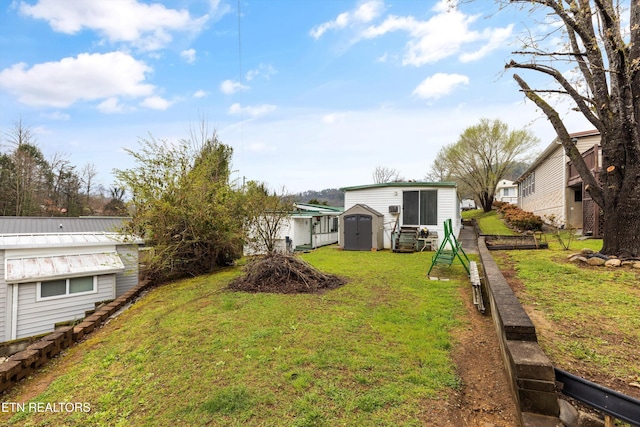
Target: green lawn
{"type": "Point", "coordinates": [488, 222]}
{"type": "Point", "coordinates": [586, 317]}
{"type": "Point", "coordinates": [373, 352]}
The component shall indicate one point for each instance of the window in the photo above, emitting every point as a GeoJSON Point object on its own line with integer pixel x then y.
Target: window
{"type": "Point", "coordinates": [529, 185]}
{"type": "Point", "coordinates": [420, 207]}
{"type": "Point", "coordinates": [66, 287]}
{"type": "Point", "coordinates": [334, 225]}
{"type": "Point", "coordinates": [506, 191]}
{"type": "Point", "coordinates": [577, 195]}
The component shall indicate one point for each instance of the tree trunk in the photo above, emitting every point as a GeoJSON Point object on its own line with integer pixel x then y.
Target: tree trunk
{"type": "Point", "coordinates": [621, 228]}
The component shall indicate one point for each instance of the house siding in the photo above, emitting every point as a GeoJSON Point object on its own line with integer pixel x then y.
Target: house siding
{"type": "Point", "coordinates": [3, 300]}
{"type": "Point", "coordinates": [380, 198]}
{"type": "Point", "coordinates": [128, 279]}
{"type": "Point", "coordinates": [548, 198]}
{"type": "Point", "coordinates": [39, 317]}
{"type": "Point", "coordinates": [301, 232]}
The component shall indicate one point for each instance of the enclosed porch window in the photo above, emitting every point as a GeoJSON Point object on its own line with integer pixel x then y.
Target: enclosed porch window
{"type": "Point", "coordinates": [420, 207]}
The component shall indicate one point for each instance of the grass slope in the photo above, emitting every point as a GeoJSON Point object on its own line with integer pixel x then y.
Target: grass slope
{"type": "Point", "coordinates": [373, 352]}
{"type": "Point", "coordinates": [488, 222]}
{"type": "Point", "coordinates": [586, 317]}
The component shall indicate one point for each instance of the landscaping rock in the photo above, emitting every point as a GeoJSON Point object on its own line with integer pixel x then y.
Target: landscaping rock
{"type": "Point", "coordinates": [596, 261]}
{"type": "Point", "coordinates": [613, 263]}
{"type": "Point", "coordinates": [578, 258]}
{"type": "Point", "coordinates": [636, 265]}
{"type": "Point", "coordinates": [586, 251]}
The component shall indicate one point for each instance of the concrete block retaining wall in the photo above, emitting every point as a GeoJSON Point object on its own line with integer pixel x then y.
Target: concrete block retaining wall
{"type": "Point", "coordinates": [40, 352]}
{"type": "Point", "coordinates": [531, 374]}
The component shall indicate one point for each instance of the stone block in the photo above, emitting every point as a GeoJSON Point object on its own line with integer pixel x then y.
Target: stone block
{"type": "Point", "coordinates": [9, 369]}
{"type": "Point", "coordinates": [67, 336]}
{"type": "Point", "coordinates": [536, 420]}
{"type": "Point", "coordinates": [539, 402]}
{"type": "Point", "coordinates": [529, 361]}
{"type": "Point", "coordinates": [529, 384]}
{"type": "Point", "coordinates": [78, 333]}
{"type": "Point", "coordinates": [43, 346]}
{"type": "Point", "coordinates": [26, 357]}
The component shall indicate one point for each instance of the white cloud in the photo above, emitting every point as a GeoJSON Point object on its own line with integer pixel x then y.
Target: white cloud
{"type": "Point", "coordinates": [264, 70]}
{"type": "Point", "coordinates": [364, 13]}
{"type": "Point", "coordinates": [189, 55]}
{"type": "Point", "coordinates": [111, 106]}
{"type": "Point", "coordinates": [229, 87]}
{"type": "Point", "coordinates": [155, 103]}
{"type": "Point", "coordinates": [87, 77]}
{"type": "Point", "coordinates": [496, 38]}
{"type": "Point", "coordinates": [260, 147]}
{"type": "Point", "coordinates": [442, 35]}
{"type": "Point", "coordinates": [440, 84]}
{"type": "Point", "coordinates": [145, 26]}
{"type": "Point", "coordinates": [200, 94]}
{"type": "Point", "coordinates": [333, 118]}
{"type": "Point", "coordinates": [252, 110]}
{"type": "Point", "coordinates": [57, 115]}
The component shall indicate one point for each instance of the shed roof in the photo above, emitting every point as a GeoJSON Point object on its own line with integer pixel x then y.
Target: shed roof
{"type": "Point", "coordinates": [362, 206]}
{"type": "Point", "coordinates": [32, 225]}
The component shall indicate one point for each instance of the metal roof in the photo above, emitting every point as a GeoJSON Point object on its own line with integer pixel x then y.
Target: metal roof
{"type": "Point", "coordinates": [32, 225]}
{"type": "Point", "coordinates": [50, 267]}
{"type": "Point", "coordinates": [401, 184]}
{"type": "Point", "coordinates": [50, 240]}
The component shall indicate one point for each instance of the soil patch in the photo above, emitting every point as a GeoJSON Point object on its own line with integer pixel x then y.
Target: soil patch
{"type": "Point", "coordinates": [285, 274]}
{"type": "Point", "coordinates": [484, 398]}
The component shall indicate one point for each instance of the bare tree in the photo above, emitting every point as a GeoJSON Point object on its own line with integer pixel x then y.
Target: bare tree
{"type": "Point", "coordinates": [29, 171]}
{"type": "Point", "coordinates": [384, 174]}
{"type": "Point", "coordinates": [89, 173]}
{"type": "Point", "coordinates": [267, 214]}
{"type": "Point", "coordinates": [605, 54]}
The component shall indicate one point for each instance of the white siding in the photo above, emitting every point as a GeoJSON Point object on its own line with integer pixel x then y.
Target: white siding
{"type": "Point", "coordinates": [38, 317]}
{"type": "Point", "coordinates": [128, 279]}
{"type": "Point", "coordinates": [548, 197]}
{"type": "Point", "coordinates": [4, 308]}
{"type": "Point", "coordinates": [380, 198]}
{"type": "Point", "coordinates": [301, 232]}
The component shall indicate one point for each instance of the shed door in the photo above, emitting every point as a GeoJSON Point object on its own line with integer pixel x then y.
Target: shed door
{"type": "Point", "coordinates": [358, 232]}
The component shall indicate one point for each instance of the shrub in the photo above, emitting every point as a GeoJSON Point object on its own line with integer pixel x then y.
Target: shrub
{"type": "Point", "coordinates": [517, 218]}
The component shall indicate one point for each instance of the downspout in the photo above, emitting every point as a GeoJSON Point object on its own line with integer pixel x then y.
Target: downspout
{"type": "Point", "coordinates": [14, 312]}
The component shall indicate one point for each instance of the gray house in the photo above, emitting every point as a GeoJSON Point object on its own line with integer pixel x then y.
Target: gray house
{"type": "Point", "coordinates": [55, 269]}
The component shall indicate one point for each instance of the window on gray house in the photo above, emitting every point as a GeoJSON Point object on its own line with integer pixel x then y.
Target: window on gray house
{"type": "Point", "coordinates": [420, 207]}
{"type": "Point", "coordinates": [60, 287]}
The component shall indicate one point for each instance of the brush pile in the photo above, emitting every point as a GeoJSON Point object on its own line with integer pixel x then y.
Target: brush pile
{"type": "Point", "coordinates": [285, 274]}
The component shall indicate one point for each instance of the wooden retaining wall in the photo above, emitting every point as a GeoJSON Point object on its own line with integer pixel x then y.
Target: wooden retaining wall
{"type": "Point", "coordinates": [40, 352]}
{"type": "Point", "coordinates": [531, 374]}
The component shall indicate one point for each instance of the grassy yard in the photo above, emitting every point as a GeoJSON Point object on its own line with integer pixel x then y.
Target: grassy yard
{"type": "Point", "coordinates": [488, 222]}
{"type": "Point", "coordinates": [373, 352]}
{"type": "Point", "coordinates": [586, 317]}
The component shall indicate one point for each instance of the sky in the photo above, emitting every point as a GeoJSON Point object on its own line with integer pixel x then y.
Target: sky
{"type": "Point", "coordinates": [310, 94]}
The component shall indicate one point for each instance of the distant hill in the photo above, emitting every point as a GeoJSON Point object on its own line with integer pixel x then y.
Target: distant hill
{"type": "Point", "coordinates": [329, 196]}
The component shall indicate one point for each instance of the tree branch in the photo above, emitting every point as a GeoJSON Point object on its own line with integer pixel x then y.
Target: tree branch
{"type": "Point", "coordinates": [592, 186]}
{"type": "Point", "coordinates": [572, 92]}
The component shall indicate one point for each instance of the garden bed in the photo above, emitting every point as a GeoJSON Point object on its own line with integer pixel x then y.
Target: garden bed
{"type": "Point", "coordinates": [497, 242]}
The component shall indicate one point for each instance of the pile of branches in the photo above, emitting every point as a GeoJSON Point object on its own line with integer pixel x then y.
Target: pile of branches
{"type": "Point", "coordinates": [283, 273]}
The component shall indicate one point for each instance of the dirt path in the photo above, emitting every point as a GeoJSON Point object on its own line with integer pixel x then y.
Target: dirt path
{"type": "Point", "coordinates": [485, 398]}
